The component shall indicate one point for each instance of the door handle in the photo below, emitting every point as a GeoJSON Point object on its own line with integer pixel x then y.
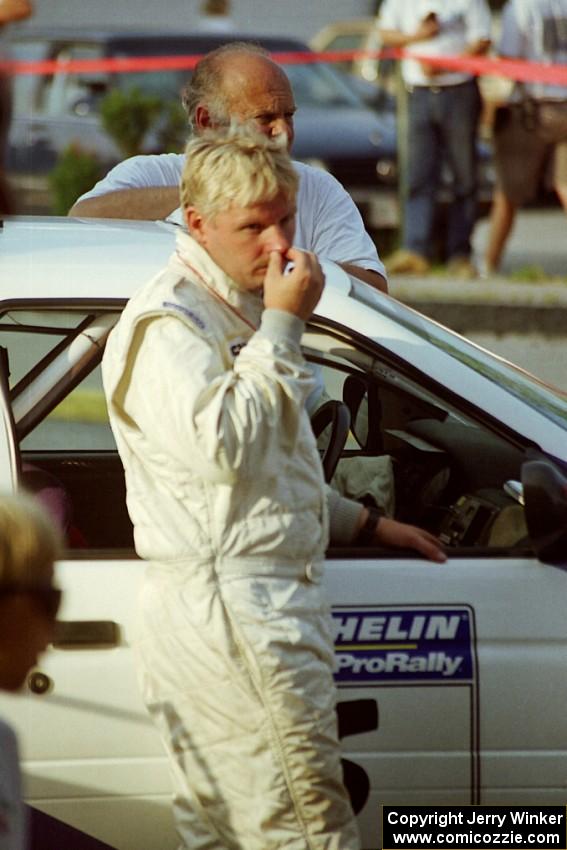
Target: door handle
{"type": "Point", "coordinates": [86, 634]}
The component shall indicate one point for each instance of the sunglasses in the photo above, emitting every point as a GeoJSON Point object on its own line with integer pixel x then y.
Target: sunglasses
{"type": "Point", "coordinates": [47, 598]}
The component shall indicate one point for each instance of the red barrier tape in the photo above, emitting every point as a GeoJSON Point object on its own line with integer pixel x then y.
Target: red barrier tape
{"type": "Point", "coordinates": [513, 69]}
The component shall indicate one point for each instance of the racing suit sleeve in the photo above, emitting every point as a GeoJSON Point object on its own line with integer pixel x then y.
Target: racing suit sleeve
{"type": "Point", "coordinates": [344, 517]}
{"type": "Point", "coordinates": [221, 422]}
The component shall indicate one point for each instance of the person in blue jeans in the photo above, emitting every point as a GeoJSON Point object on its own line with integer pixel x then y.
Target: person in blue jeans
{"type": "Point", "coordinates": [443, 113]}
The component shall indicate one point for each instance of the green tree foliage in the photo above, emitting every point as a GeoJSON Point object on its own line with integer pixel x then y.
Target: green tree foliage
{"type": "Point", "coordinates": [172, 129]}
{"type": "Point", "coordinates": [127, 115]}
{"type": "Point", "coordinates": [76, 171]}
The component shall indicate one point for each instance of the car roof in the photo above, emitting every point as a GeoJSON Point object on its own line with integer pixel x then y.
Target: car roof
{"type": "Point", "coordinates": [201, 42]}
{"type": "Point", "coordinates": [51, 259]}
{"type": "Point", "coordinates": [101, 258]}
{"type": "Point", "coordinates": [337, 28]}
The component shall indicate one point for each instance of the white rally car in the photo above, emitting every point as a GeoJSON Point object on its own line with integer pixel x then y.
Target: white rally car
{"type": "Point", "coordinates": [452, 678]}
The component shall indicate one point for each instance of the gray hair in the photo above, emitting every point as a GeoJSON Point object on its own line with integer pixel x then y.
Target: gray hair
{"type": "Point", "coordinates": [206, 86]}
{"type": "Point", "coordinates": [235, 165]}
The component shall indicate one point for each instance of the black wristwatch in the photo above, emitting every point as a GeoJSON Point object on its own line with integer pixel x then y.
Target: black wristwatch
{"type": "Point", "coordinates": [368, 531]}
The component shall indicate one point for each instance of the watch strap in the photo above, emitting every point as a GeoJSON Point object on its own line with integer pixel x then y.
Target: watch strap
{"type": "Point", "coordinates": [367, 532]}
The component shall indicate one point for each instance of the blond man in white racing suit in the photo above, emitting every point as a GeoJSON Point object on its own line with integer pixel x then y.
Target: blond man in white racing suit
{"type": "Point", "coordinates": [206, 386]}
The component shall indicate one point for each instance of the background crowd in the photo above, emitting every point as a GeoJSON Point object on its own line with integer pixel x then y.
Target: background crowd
{"type": "Point", "coordinates": [528, 135]}
{"type": "Point", "coordinates": [443, 111]}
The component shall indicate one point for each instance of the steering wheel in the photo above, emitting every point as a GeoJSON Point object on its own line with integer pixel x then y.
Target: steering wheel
{"type": "Point", "coordinates": [337, 415]}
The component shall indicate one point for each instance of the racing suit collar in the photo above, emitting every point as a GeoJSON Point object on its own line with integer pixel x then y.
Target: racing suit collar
{"type": "Point", "coordinates": [190, 252]}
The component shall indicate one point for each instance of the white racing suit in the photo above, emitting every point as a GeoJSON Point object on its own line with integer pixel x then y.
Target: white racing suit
{"type": "Point", "coordinates": [226, 494]}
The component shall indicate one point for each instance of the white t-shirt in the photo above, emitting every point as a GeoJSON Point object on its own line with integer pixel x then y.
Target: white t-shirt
{"type": "Point", "coordinates": [462, 23]}
{"type": "Point", "coordinates": [12, 821]}
{"type": "Point", "coordinates": [536, 30]}
{"type": "Point", "coordinates": [328, 222]}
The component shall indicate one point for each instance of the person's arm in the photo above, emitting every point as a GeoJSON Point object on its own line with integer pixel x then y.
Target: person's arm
{"type": "Point", "coordinates": [142, 204]}
{"type": "Point", "coordinates": [428, 28]}
{"type": "Point", "coordinates": [349, 518]}
{"type": "Point", "coordinates": [478, 47]}
{"type": "Point", "coordinates": [375, 279]}
{"type": "Point", "coordinates": [399, 535]}
{"type": "Point", "coordinates": [14, 10]}
{"type": "Point", "coordinates": [224, 422]}
{"type": "Point", "coordinates": [332, 227]}
{"type": "Point", "coordinates": [144, 187]}
{"type": "Point", "coordinates": [479, 27]}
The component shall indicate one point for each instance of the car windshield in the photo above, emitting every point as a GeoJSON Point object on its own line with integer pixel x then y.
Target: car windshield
{"type": "Point", "coordinates": [544, 398]}
{"type": "Point", "coordinates": [315, 85]}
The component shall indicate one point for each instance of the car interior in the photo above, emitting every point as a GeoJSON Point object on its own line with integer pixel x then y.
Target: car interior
{"type": "Point", "coordinates": [444, 472]}
{"type": "Point", "coordinates": [386, 438]}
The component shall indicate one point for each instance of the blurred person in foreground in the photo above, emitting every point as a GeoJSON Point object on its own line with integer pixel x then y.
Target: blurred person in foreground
{"type": "Point", "coordinates": [10, 11]}
{"type": "Point", "coordinates": [240, 82]}
{"type": "Point", "coordinates": [206, 387]}
{"type": "Point", "coordinates": [443, 113]}
{"type": "Point", "coordinates": [29, 546]}
{"type": "Point", "coordinates": [531, 131]}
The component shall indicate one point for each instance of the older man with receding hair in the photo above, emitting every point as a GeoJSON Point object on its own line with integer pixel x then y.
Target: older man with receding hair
{"type": "Point", "coordinates": [240, 82]}
{"type": "Point", "coordinates": [206, 387]}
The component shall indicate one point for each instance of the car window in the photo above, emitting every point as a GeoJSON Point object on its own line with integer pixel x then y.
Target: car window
{"type": "Point", "coordinates": [314, 85]}
{"type": "Point", "coordinates": [33, 340]}
{"type": "Point", "coordinates": [29, 336]}
{"type": "Point", "coordinates": [54, 95]}
{"type": "Point", "coordinates": [78, 423]}
{"type": "Point", "coordinates": [319, 85]}
{"type": "Point", "coordinates": [345, 41]}
{"type": "Point", "coordinates": [26, 87]}
{"type": "Point", "coordinates": [409, 449]}
{"type": "Point", "coordinates": [415, 456]}
{"type": "Point", "coordinates": [63, 94]}
{"type": "Point", "coordinates": [44, 347]}
{"type": "Point", "coordinates": [66, 450]}
{"type": "Point", "coordinates": [167, 84]}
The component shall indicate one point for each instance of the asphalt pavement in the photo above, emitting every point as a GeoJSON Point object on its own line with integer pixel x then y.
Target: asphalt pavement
{"type": "Point", "coordinates": [521, 313]}
{"type": "Point", "coordinates": [538, 241]}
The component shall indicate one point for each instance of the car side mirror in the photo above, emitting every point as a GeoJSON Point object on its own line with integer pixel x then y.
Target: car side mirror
{"type": "Point", "coordinates": [91, 93]}
{"type": "Point", "coordinates": [545, 496]}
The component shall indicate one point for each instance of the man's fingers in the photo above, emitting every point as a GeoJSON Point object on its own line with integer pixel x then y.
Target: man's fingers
{"type": "Point", "coordinates": [296, 290]}
{"type": "Point", "coordinates": [426, 544]}
{"type": "Point", "coordinates": [275, 263]}
{"type": "Point", "coordinates": [430, 548]}
{"type": "Point", "coordinates": [403, 536]}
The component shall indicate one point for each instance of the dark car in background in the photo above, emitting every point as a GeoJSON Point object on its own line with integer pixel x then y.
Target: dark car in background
{"type": "Point", "coordinates": [335, 129]}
